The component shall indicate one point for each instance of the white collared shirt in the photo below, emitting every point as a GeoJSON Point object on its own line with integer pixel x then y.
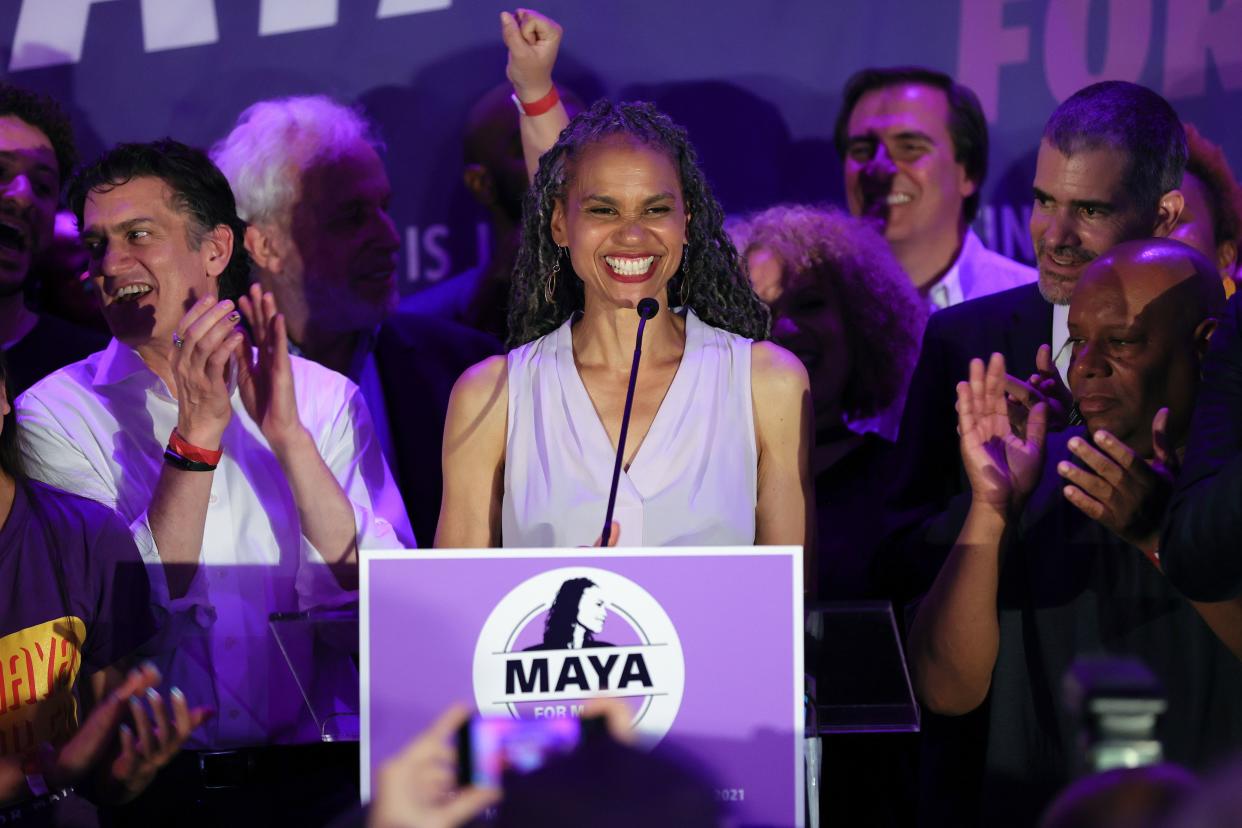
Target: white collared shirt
{"type": "Point", "coordinates": [1060, 337]}
{"type": "Point", "coordinates": [98, 428]}
{"type": "Point", "coordinates": [977, 272]}
{"type": "Point", "coordinates": [947, 291]}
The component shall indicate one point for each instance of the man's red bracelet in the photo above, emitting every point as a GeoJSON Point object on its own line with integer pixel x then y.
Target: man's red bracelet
{"type": "Point", "coordinates": [540, 106]}
{"type": "Point", "coordinates": [192, 452]}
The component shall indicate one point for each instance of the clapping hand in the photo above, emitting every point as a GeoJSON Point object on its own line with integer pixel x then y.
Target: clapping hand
{"type": "Point", "coordinates": [265, 374]}
{"type": "Point", "coordinates": [1003, 467]}
{"type": "Point", "coordinates": [1043, 386]}
{"type": "Point", "coordinates": [204, 340]}
{"type": "Point", "coordinates": [1120, 490]}
{"type": "Point", "coordinates": [533, 41]}
{"type": "Point", "coordinates": [144, 747]}
{"type": "Point", "coordinates": [153, 741]}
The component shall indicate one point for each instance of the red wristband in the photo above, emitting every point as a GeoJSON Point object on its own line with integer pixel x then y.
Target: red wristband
{"type": "Point", "coordinates": [540, 106]}
{"type": "Point", "coordinates": [192, 452]}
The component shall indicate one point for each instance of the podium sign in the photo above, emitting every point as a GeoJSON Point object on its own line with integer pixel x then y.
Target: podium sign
{"type": "Point", "coordinates": [703, 644]}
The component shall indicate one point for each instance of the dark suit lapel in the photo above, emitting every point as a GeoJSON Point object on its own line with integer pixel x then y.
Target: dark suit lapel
{"type": "Point", "coordinates": [399, 377]}
{"type": "Point", "coordinates": [1029, 326]}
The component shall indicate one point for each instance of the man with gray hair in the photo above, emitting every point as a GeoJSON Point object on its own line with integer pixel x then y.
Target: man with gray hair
{"type": "Point", "coordinates": [1109, 166]}
{"type": "Point", "coordinates": [309, 181]}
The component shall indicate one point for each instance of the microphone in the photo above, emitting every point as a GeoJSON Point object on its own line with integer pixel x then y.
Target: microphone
{"type": "Point", "coordinates": [647, 308]}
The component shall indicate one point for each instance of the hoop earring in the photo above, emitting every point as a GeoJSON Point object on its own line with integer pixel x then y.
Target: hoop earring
{"type": "Point", "coordinates": [549, 287]}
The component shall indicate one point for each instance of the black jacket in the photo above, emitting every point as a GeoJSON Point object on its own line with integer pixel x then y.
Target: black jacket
{"type": "Point", "coordinates": [1201, 551]}
{"type": "Point", "coordinates": [418, 359]}
{"type": "Point", "coordinates": [927, 498]}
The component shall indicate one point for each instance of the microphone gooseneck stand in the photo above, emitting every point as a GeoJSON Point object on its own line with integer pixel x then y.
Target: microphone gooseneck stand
{"type": "Point", "coordinates": [647, 308]}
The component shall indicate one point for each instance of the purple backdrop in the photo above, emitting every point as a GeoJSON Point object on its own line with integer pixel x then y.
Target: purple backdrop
{"type": "Point", "coordinates": [757, 83]}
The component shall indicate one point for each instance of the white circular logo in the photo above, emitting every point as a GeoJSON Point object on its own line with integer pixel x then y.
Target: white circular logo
{"type": "Point", "coordinates": [577, 633]}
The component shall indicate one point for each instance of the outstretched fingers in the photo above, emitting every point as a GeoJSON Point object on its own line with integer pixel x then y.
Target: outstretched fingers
{"type": "Point", "coordinates": [994, 387]}
{"type": "Point", "coordinates": [145, 737]}
{"type": "Point", "coordinates": [1043, 360]}
{"type": "Point", "coordinates": [966, 418]}
{"type": "Point", "coordinates": [1086, 504]}
{"type": "Point", "coordinates": [975, 379]}
{"type": "Point", "coordinates": [1037, 424]}
{"type": "Point", "coordinates": [252, 308]}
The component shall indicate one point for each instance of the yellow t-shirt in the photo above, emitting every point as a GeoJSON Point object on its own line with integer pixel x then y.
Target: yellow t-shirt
{"type": "Point", "coordinates": [38, 668]}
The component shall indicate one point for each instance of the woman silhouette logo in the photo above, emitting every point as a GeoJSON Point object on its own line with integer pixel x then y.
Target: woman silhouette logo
{"type": "Point", "coordinates": [531, 654]}
{"type": "Point", "coordinates": [577, 615]}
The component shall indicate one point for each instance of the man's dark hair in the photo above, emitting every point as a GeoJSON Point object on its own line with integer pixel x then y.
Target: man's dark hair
{"type": "Point", "coordinates": [1123, 116]}
{"type": "Point", "coordinates": [200, 191]}
{"type": "Point", "coordinates": [967, 126]}
{"type": "Point", "coordinates": [45, 115]}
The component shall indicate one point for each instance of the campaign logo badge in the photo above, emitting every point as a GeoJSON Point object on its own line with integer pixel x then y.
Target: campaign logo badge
{"type": "Point", "coordinates": [575, 633]}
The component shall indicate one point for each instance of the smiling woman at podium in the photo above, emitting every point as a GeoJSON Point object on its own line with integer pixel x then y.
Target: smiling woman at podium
{"type": "Point", "coordinates": [717, 447]}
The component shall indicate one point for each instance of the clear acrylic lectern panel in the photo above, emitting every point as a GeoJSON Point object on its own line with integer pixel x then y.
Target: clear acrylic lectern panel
{"type": "Point", "coordinates": [320, 647]}
{"type": "Point", "coordinates": [857, 681]}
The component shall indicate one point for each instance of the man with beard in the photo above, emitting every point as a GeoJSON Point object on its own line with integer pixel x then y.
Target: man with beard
{"type": "Point", "coordinates": [1109, 166]}
{"type": "Point", "coordinates": [36, 149]}
{"type": "Point", "coordinates": [310, 182]}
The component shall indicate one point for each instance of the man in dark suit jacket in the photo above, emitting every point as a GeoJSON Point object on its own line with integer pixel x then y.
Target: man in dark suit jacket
{"type": "Point", "coordinates": [1199, 550]}
{"type": "Point", "coordinates": [1057, 557]}
{"type": "Point", "coordinates": [310, 183]}
{"type": "Point", "coordinates": [419, 358]}
{"type": "Point", "coordinates": [925, 504]}
{"type": "Point", "coordinates": [1108, 169]}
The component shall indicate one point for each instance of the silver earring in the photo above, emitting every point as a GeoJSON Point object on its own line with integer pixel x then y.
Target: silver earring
{"type": "Point", "coordinates": [549, 287]}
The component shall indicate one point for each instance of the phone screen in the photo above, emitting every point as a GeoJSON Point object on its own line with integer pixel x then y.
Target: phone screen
{"type": "Point", "coordinates": [490, 747]}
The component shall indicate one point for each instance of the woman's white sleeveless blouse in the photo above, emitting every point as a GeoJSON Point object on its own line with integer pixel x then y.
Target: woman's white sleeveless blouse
{"type": "Point", "coordinates": [693, 481]}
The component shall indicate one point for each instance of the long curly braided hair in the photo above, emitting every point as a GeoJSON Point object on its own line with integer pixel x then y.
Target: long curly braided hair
{"type": "Point", "coordinates": [711, 281]}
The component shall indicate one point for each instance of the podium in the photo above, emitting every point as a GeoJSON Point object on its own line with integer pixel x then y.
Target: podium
{"type": "Point", "coordinates": [857, 681]}
{"type": "Point", "coordinates": [857, 678]}
{"type": "Point", "coordinates": [320, 647]}
{"type": "Point", "coordinates": [710, 647]}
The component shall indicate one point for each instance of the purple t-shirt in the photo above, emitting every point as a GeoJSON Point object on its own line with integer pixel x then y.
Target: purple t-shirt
{"type": "Point", "coordinates": [77, 600]}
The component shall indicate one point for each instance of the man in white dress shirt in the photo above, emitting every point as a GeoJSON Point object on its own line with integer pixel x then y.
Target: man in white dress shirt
{"type": "Point", "coordinates": [914, 144]}
{"type": "Point", "coordinates": [251, 478]}
{"type": "Point", "coordinates": [309, 179]}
